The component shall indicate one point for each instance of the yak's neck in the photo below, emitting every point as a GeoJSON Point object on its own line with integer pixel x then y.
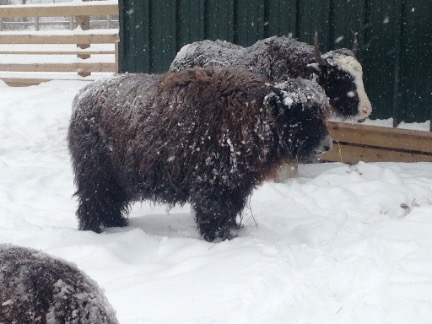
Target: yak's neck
{"type": "Point", "coordinates": [283, 58]}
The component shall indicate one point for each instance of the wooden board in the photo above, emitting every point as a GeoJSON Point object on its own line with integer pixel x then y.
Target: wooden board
{"type": "Point", "coordinates": [356, 142]}
{"type": "Point", "coordinates": [60, 10]}
{"type": "Point", "coordinates": [60, 52]}
{"type": "Point", "coordinates": [59, 67]}
{"type": "Point", "coordinates": [43, 38]}
{"type": "Point", "coordinates": [385, 137]}
{"type": "Point", "coordinates": [353, 154]}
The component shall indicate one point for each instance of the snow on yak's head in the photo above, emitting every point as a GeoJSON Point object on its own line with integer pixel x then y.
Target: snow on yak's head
{"type": "Point", "coordinates": [341, 76]}
{"type": "Point", "coordinates": [302, 109]}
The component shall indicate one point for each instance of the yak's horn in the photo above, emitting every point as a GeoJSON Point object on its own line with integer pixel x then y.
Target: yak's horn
{"type": "Point", "coordinates": [355, 42]}
{"type": "Point", "coordinates": [318, 57]}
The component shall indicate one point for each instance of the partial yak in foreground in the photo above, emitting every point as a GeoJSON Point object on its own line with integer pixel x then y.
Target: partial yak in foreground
{"type": "Point", "coordinates": [37, 288]}
{"type": "Point", "coordinates": [281, 58]}
{"type": "Point", "coordinates": [204, 136]}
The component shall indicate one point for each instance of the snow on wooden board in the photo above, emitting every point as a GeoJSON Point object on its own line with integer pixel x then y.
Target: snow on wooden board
{"type": "Point", "coordinates": [108, 7]}
{"type": "Point", "coordinates": [60, 32]}
{"type": "Point", "coordinates": [421, 126]}
{"type": "Point", "coordinates": [338, 244]}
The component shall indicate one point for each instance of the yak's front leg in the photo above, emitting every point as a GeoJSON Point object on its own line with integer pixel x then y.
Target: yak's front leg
{"type": "Point", "coordinates": [216, 213]}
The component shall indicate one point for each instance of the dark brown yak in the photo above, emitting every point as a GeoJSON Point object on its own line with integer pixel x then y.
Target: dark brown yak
{"type": "Point", "coordinates": [36, 288]}
{"type": "Point", "coordinates": [204, 136]}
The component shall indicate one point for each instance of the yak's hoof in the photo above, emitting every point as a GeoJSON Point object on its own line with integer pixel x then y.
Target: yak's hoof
{"type": "Point", "coordinates": [91, 227]}
{"type": "Point", "coordinates": [220, 235]}
{"type": "Point", "coordinates": [119, 222]}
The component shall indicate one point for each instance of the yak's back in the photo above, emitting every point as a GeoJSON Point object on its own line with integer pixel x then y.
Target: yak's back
{"type": "Point", "coordinates": [113, 91]}
{"type": "Point", "coordinates": [208, 53]}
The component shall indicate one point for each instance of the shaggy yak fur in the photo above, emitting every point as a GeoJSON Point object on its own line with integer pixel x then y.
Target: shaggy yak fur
{"type": "Point", "coordinates": [36, 288]}
{"type": "Point", "coordinates": [282, 58]}
{"type": "Point", "coordinates": [204, 136]}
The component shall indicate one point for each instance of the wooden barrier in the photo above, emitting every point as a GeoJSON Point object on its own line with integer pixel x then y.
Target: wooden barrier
{"type": "Point", "coordinates": [82, 59]}
{"type": "Point", "coordinates": [357, 142]}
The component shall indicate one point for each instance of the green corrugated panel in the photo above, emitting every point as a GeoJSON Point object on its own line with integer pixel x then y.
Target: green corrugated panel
{"type": "Point", "coordinates": [135, 50]}
{"type": "Point", "coordinates": [314, 15]}
{"type": "Point", "coordinates": [220, 20]}
{"type": "Point", "coordinates": [381, 58]}
{"type": "Point", "coordinates": [281, 17]}
{"type": "Point", "coordinates": [416, 61]}
{"type": "Point", "coordinates": [164, 34]}
{"type": "Point", "coordinates": [347, 17]}
{"type": "Point", "coordinates": [250, 21]}
{"type": "Point", "coordinates": [190, 21]}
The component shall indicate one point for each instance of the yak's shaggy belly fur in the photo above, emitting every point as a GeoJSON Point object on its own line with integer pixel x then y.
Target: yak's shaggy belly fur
{"type": "Point", "coordinates": [36, 288]}
{"type": "Point", "coordinates": [204, 136]}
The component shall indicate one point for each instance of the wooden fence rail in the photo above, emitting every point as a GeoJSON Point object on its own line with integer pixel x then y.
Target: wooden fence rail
{"type": "Point", "coordinates": [93, 8]}
{"type": "Point", "coordinates": [356, 142]}
{"type": "Point", "coordinates": [83, 60]}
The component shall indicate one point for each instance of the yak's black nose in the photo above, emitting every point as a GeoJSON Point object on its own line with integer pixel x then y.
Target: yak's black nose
{"type": "Point", "coordinates": [326, 144]}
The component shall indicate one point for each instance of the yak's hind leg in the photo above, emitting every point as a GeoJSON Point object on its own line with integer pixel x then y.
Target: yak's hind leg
{"type": "Point", "coordinates": [102, 201]}
{"type": "Point", "coordinates": [216, 212]}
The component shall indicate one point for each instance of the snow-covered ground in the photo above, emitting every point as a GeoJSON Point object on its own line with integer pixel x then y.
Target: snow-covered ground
{"type": "Point", "coordinates": [338, 244]}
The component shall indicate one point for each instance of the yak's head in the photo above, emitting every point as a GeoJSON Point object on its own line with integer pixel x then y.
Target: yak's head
{"type": "Point", "coordinates": [341, 76]}
{"type": "Point", "coordinates": [301, 110]}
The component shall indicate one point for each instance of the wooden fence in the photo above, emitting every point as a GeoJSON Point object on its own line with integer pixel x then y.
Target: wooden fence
{"type": "Point", "coordinates": [75, 47]}
{"type": "Point", "coordinates": [356, 142]}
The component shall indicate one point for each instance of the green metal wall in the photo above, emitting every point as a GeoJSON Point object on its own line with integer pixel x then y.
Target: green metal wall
{"type": "Point", "coordinates": [395, 38]}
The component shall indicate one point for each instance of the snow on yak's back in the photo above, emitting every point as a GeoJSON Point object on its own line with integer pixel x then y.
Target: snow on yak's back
{"type": "Point", "coordinates": [283, 58]}
{"type": "Point", "coordinates": [204, 136]}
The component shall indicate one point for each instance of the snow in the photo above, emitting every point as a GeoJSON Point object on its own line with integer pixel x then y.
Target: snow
{"type": "Point", "coordinates": [61, 32]}
{"type": "Point", "coordinates": [69, 3]}
{"type": "Point", "coordinates": [338, 244]}
{"type": "Point", "coordinates": [420, 126]}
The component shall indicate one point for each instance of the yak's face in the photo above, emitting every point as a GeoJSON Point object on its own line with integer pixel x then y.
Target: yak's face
{"type": "Point", "coordinates": [302, 131]}
{"type": "Point", "coordinates": [342, 79]}
{"type": "Point", "coordinates": [307, 133]}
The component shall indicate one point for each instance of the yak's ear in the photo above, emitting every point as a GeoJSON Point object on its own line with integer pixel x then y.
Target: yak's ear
{"type": "Point", "coordinates": [277, 91]}
{"type": "Point", "coordinates": [275, 99]}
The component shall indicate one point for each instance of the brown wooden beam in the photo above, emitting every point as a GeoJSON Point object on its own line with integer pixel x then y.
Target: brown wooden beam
{"type": "Point", "coordinates": [60, 52]}
{"type": "Point", "coordinates": [386, 137]}
{"type": "Point", "coordinates": [97, 8]}
{"type": "Point", "coordinates": [353, 154]}
{"type": "Point", "coordinates": [60, 38]}
{"type": "Point", "coordinates": [59, 67]}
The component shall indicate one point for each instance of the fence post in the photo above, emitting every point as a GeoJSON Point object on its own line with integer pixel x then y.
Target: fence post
{"type": "Point", "coordinates": [84, 23]}
{"type": "Point", "coordinates": [117, 52]}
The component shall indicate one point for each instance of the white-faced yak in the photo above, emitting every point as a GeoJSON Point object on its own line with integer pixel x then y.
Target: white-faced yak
{"type": "Point", "coordinates": [203, 136]}
{"type": "Point", "coordinates": [37, 288]}
{"type": "Point", "coordinates": [280, 58]}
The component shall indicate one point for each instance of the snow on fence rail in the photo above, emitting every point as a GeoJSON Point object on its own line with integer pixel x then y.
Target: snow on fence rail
{"type": "Point", "coordinates": [81, 51]}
